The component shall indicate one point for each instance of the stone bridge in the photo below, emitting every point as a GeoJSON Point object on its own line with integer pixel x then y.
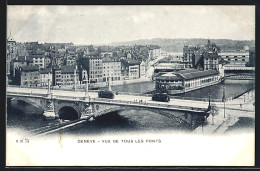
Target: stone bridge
{"type": "Point", "coordinates": [71, 108]}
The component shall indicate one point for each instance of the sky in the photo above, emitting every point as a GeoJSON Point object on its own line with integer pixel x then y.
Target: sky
{"type": "Point", "coordinates": [106, 24]}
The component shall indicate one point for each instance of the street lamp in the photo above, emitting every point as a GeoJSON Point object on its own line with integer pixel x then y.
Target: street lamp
{"type": "Point", "coordinates": [49, 85]}
{"type": "Point", "coordinates": [224, 99]}
{"type": "Point", "coordinates": [86, 88]}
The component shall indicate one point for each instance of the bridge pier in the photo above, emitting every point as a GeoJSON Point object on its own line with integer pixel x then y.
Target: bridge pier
{"type": "Point", "coordinates": [49, 111]}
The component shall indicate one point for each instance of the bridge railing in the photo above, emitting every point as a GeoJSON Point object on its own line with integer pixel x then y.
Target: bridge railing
{"type": "Point", "coordinates": [147, 104]}
{"type": "Point", "coordinates": [27, 94]}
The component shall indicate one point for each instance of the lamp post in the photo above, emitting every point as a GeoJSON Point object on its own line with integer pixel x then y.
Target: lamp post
{"type": "Point", "coordinates": [49, 85]}
{"type": "Point", "coordinates": [86, 88]}
{"type": "Point", "coordinates": [75, 86]}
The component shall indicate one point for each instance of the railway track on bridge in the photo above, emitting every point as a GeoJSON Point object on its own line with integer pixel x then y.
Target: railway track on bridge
{"type": "Point", "coordinates": [57, 127]}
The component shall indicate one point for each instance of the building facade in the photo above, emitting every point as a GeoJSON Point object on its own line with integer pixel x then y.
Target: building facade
{"type": "Point", "coordinates": [211, 61]}
{"type": "Point", "coordinates": [38, 60]}
{"type": "Point", "coordinates": [69, 75]}
{"type": "Point", "coordinates": [235, 59]}
{"type": "Point", "coordinates": [130, 69]}
{"type": "Point", "coordinates": [111, 70]}
{"type": "Point", "coordinates": [45, 77]}
{"type": "Point", "coordinates": [30, 76]}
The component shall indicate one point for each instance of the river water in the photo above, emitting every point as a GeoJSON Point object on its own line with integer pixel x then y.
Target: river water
{"type": "Point", "coordinates": [27, 117]}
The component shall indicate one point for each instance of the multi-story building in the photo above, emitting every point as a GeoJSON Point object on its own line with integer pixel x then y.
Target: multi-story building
{"type": "Point", "coordinates": [201, 57]}
{"type": "Point", "coordinates": [236, 58]}
{"type": "Point", "coordinates": [45, 77]}
{"type": "Point", "coordinates": [56, 76]}
{"type": "Point", "coordinates": [111, 70]}
{"type": "Point", "coordinates": [20, 61]}
{"type": "Point", "coordinates": [154, 52]}
{"type": "Point", "coordinates": [130, 69]}
{"type": "Point", "coordinates": [70, 61]}
{"type": "Point", "coordinates": [69, 75]}
{"type": "Point", "coordinates": [30, 76]}
{"type": "Point", "coordinates": [188, 53]}
{"type": "Point", "coordinates": [38, 60]}
{"type": "Point", "coordinates": [94, 67]}
{"type": "Point", "coordinates": [211, 61]}
{"type": "Point", "coordinates": [142, 69]}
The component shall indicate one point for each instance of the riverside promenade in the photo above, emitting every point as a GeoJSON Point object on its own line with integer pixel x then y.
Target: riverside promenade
{"type": "Point", "coordinates": [242, 106]}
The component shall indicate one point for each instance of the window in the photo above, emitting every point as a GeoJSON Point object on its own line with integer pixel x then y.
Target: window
{"type": "Point", "coordinates": [243, 59]}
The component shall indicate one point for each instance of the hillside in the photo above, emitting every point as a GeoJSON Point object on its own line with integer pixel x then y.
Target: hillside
{"type": "Point", "coordinates": [176, 45]}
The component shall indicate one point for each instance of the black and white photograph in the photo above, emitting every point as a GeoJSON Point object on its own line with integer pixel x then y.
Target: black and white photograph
{"type": "Point", "coordinates": [130, 85]}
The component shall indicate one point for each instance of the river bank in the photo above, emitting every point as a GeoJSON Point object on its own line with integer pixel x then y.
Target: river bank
{"type": "Point", "coordinates": [236, 116]}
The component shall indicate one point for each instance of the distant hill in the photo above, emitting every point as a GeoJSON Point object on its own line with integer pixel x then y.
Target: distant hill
{"type": "Point", "coordinates": [176, 45]}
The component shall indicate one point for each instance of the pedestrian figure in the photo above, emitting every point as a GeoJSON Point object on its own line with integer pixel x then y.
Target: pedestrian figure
{"type": "Point", "coordinates": [241, 105]}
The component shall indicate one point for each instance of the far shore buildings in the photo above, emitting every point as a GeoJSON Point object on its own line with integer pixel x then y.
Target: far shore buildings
{"type": "Point", "coordinates": [45, 77]}
{"type": "Point", "coordinates": [130, 69]}
{"type": "Point", "coordinates": [204, 57]}
{"type": "Point", "coordinates": [66, 75]}
{"type": "Point", "coordinates": [30, 76]}
{"type": "Point", "coordinates": [235, 58]}
{"type": "Point", "coordinates": [111, 70]}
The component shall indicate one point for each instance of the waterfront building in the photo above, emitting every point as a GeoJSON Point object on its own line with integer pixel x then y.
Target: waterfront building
{"type": "Point", "coordinates": [130, 69]}
{"type": "Point", "coordinates": [30, 76]}
{"type": "Point", "coordinates": [111, 70]}
{"type": "Point", "coordinates": [235, 58]}
{"type": "Point", "coordinates": [201, 57]}
{"type": "Point", "coordinates": [94, 67]}
{"type": "Point", "coordinates": [188, 53]}
{"type": "Point", "coordinates": [69, 75]}
{"type": "Point", "coordinates": [182, 81]}
{"type": "Point", "coordinates": [211, 61]}
{"type": "Point", "coordinates": [20, 61]}
{"type": "Point", "coordinates": [45, 76]}
{"type": "Point", "coordinates": [56, 76]}
{"type": "Point", "coordinates": [143, 68]}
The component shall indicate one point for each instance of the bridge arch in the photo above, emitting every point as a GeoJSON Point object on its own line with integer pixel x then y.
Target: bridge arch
{"type": "Point", "coordinates": [32, 101]}
{"type": "Point", "coordinates": [68, 112]}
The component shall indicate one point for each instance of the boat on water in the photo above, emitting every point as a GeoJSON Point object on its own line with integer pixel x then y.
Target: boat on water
{"type": "Point", "coordinates": [182, 81]}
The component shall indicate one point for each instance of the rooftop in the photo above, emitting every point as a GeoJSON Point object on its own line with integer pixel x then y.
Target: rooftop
{"type": "Point", "coordinates": [186, 74]}
{"type": "Point", "coordinates": [29, 68]}
{"type": "Point", "coordinates": [68, 69]}
{"type": "Point", "coordinates": [45, 70]}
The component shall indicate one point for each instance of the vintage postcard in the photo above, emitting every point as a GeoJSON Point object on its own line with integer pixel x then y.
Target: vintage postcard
{"type": "Point", "coordinates": [130, 85]}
